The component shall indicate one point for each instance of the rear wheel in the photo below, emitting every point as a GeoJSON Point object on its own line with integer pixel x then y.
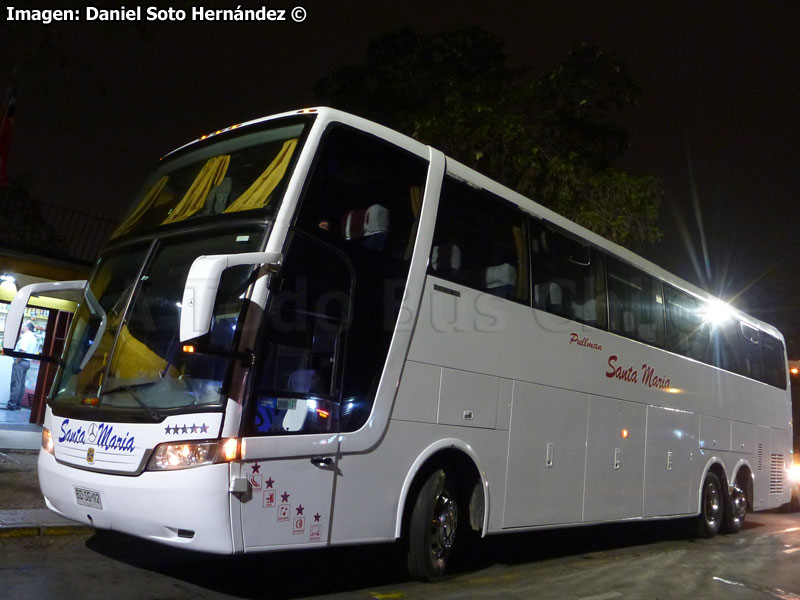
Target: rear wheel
{"type": "Point", "coordinates": [433, 526]}
{"type": "Point", "coordinates": [735, 511]}
{"type": "Point", "coordinates": [711, 507]}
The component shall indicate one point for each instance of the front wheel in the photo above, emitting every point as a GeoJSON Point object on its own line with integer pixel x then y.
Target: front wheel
{"type": "Point", "coordinates": [433, 526]}
{"type": "Point", "coordinates": [711, 507]}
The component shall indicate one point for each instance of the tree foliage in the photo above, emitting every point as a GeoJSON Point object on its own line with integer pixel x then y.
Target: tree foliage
{"type": "Point", "coordinates": [551, 136]}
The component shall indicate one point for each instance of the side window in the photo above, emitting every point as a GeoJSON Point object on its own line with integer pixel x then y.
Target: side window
{"type": "Point", "coordinates": [480, 241]}
{"type": "Point", "coordinates": [364, 198]}
{"type": "Point", "coordinates": [774, 361]}
{"type": "Point", "coordinates": [727, 346]}
{"type": "Point", "coordinates": [567, 277]}
{"type": "Point", "coordinates": [299, 380]}
{"type": "Point", "coordinates": [687, 328]}
{"type": "Point", "coordinates": [635, 303]}
{"type": "Point", "coordinates": [751, 351]}
{"type": "Point", "coordinates": [364, 193]}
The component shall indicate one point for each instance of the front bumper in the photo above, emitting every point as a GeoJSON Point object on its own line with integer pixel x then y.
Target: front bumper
{"type": "Point", "coordinates": [189, 508]}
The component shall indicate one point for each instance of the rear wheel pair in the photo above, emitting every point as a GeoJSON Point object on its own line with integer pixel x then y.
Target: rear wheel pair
{"type": "Point", "coordinates": [718, 511]}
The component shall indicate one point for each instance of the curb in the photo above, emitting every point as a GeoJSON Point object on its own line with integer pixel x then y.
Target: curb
{"type": "Point", "coordinates": [38, 522]}
{"type": "Point", "coordinates": [20, 531]}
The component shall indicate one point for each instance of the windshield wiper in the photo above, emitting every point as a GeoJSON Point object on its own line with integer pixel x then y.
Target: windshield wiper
{"type": "Point", "coordinates": [135, 395]}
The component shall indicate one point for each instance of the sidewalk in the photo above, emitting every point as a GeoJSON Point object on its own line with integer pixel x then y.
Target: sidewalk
{"type": "Point", "coordinates": [22, 508]}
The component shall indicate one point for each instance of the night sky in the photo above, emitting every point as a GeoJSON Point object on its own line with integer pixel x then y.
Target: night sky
{"type": "Point", "coordinates": [718, 122]}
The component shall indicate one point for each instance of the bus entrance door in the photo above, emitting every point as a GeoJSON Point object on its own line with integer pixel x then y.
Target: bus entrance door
{"type": "Point", "coordinates": [290, 446]}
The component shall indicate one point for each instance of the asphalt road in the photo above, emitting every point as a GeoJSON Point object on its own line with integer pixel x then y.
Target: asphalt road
{"type": "Point", "coordinates": [653, 561]}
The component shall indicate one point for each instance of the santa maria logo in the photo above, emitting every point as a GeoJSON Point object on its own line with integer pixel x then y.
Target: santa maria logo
{"type": "Point", "coordinates": [100, 434]}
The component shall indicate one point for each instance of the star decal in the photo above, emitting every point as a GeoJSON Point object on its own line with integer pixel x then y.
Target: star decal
{"type": "Point", "coordinates": [269, 482]}
{"type": "Point", "coordinates": [204, 428]}
{"type": "Point", "coordinates": [317, 517]}
{"type": "Point", "coordinates": [167, 429]}
{"type": "Point", "coordinates": [256, 467]}
{"type": "Point", "coordinates": [300, 510]}
{"type": "Point", "coordinates": [184, 429]}
{"type": "Point", "coordinates": [285, 496]}
{"type": "Point", "coordinates": [194, 428]}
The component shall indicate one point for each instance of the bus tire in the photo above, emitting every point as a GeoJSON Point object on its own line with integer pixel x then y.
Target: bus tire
{"type": "Point", "coordinates": [735, 511]}
{"type": "Point", "coordinates": [711, 507]}
{"type": "Point", "coordinates": [432, 528]}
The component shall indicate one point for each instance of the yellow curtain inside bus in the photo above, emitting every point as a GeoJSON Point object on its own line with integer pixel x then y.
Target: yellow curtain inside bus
{"type": "Point", "coordinates": [209, 176]}
{"type": "Point", "coordinates": [416, 209]}
{"type": "Point", "coordinates": [144, 206]}
{"type": "Point", "coordinates": [140, 360]}
{"type": "Point", "coordinates": [257, 195]}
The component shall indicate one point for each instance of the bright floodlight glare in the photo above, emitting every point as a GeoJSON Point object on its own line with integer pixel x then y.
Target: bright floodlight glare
{"type": "Point", "coordinates": [716, 312]}
{"type": "Point", "coordinates": [793, 473]}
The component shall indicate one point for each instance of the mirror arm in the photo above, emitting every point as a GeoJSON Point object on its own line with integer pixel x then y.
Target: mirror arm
{"type": "Point", "coordinates": [202, 284]}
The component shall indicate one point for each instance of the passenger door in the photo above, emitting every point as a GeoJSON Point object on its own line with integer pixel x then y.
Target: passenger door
{"type": "Point", "coordinates": [290, 443]}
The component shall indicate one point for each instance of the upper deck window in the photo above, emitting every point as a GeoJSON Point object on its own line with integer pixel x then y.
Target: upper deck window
{"type": "Point", "coordinates": [480, 241]}
{"type": "Point", "coordinates": [244, 173]}
{"type": "Point", "coordinates": [568, 277]}
{"type": "Point", "coordinates": [635, 303]}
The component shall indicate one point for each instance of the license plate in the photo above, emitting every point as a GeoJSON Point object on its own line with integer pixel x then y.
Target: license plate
{"type": "Point", "coordinates": [88, 498]}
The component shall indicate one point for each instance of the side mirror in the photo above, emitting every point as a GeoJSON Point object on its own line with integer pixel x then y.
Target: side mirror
{"type": "Point", "coordinates": [202, 284]}
{"type": "Point", "coordinates": [16, 311]}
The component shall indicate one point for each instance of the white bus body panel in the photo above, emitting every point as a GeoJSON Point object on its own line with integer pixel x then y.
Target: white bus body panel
{"type": "Point", "coordinates": [288, 503]}
{"type": "Point", "coordinates": [585, 445]}
{"type": "Point", "coordinates": [670, 462]}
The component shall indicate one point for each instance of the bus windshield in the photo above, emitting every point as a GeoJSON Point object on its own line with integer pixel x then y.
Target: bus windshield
{"type": "Point", "coordinates": [243, 173]}
{"type": "Point", "coordinates": [124, 350]}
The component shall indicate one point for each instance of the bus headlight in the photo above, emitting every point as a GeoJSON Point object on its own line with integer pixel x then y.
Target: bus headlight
{"type": "Point", "coordinates": [186, 455]}
{"type": "Point", "coordinates": [47, 441]}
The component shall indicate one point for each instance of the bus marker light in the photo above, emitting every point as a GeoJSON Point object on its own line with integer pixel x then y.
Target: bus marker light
{"type": "Point", "coordinates": [188, 348]}
{"type": "Point", "coordinates": [624, 433]}
{"type": "Point", "coordinates": [90, 401]}
{"type": "Point", "coordinates": [47, 440]}
{"type": "Point", "coordinates": [230, 449]}
{"type": "Point", "coordinates": [323, 413]}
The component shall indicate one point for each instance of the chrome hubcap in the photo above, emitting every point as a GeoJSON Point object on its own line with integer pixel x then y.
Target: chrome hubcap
{"type": "Point", "coordinates": [444, 524]}
{"type": "Point", "coordinates": [739, 504]}
{"type": "Point", "coordinates": [713, 506]}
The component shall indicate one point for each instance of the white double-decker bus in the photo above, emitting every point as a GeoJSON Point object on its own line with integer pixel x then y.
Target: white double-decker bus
{"type": "Point", "coordinates": [312, 330]}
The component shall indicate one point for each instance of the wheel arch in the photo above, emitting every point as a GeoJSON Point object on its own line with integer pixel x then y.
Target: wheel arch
{"type": "Point", "coordinates": [452, 453]}
{"type": "Point", "coordinates": [716, 466]}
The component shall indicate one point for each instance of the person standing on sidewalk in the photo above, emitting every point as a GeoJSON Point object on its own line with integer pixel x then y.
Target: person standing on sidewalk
{"type": "Point", "coordinates": [29, 345]}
